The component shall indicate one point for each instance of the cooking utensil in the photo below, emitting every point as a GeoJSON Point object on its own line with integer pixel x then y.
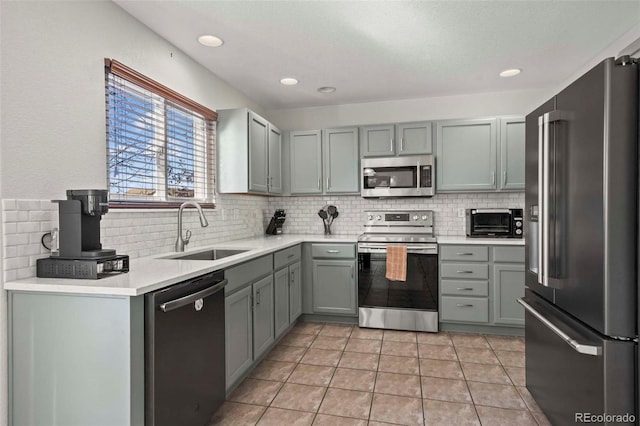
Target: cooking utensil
{"type": "Point", "coordinates": [331, 210]}
{"type": "Point", "coordinates": [323, 214]}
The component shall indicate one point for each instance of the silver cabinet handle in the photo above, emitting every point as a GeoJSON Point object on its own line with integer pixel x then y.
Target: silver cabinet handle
{"type": "Point", "coordinates": [328, 182]}
{"type": "Point", "coordinates": [318, 183]}
{"type": "Point", "coordinates": [465, 288]}
{"type": "Point", "coordinates": [333, 251]}
{"type": "Point", "coordinates": [464, 254]}
{"type": "Point", "coordinates": [178, 303]}
{"type": "Point", "coordinates": [577, 346]}
{"type": "Point", "coordinates": [464, 305]}
{"type": "Point", "coordinates": [290, 256]}
{"type": "Point", "coordinates": [391, 145]}
{"type": "Point", "coordinates": [504, 177]}
{"type": "Point", "coordinates": [493, 177]}
{"type": "Point", "coordinates": [258, 298]}
{"type": "Point", "coordinates": [351, 271]}
{"type": "Point", "coordinates": [401, 144]}
{"type": "Point", "coordinates": [464, 272]}
{"type": "Point", "coordinates": [293, 277]}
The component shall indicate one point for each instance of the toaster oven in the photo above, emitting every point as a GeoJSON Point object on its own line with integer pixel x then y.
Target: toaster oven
{"type": "Point", "coordinates": [491, 223]}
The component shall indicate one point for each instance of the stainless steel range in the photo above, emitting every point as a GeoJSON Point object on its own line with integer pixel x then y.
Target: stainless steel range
{"type": "Point", "coordinates": [399, 305]}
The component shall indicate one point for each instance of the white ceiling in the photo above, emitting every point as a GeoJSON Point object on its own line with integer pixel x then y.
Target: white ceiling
{"type": "Point", "coordinates": [384, 50]}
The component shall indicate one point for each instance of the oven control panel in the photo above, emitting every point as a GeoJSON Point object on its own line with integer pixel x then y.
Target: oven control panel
{"type": "Point", "coordinates": [391, 218]}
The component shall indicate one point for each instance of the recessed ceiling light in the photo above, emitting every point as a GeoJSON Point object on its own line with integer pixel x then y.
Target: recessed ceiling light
{"type": "Point", "coordinates": [288, 81]}
{"type": "Point", "coordinates": [326, 89]}
{"type": "Point", "coordinates": [210, 40]}
{"type": "Point", "coordinates": [510, 72]}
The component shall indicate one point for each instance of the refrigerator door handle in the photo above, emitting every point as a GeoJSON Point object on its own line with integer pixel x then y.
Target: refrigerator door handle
{"type": "Point", "coordinates": [577, 346]}
{"type": "Point", "coordinates": [541, 198]}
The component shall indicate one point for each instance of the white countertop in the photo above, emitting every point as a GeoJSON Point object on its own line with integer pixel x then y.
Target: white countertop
{"type": "Point", "coordinates": [481, 241]}
{"type": "Point", "coordinates": [155, 272]}
{"type": "Point", "coordinates": [152, 273]}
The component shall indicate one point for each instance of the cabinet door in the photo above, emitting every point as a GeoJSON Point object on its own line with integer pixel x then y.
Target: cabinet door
{"type": "Point", "coordinates": [334, 287]}
{"type": "Point", "coordinates": [512, 153]}
{"type": "Point", "coordinates": [377, 141]}
{"type": "Point", "coordinates": [508, 285]}
{"type": "Point", "coordinates": [341, 160]}
{"type": "Point", "coordinates": [275, 160]}
{"type": "Point", "coordinates": [306, 162]}
{"type": "Point", "coordinates": [281, 294]}
{"type": "Point", "coordinates": [295, 292]}
{"type": "Point", "coordinates": [466, 155]}
{"type": "Point", "coordinates": [258, 136]}
{"type": "Point", "coordinates": [413, 138]}
{"type": "Point", "coordinates": [263, 309]}
{"type": "Point", "coordinates": [238, 338]}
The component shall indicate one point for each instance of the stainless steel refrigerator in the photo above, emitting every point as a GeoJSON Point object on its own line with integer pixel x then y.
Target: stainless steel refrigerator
{"type": "Point", "coordinates": [581, 301]}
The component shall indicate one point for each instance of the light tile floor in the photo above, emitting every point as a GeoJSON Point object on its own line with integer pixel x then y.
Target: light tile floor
{"type": "Point", "coordinates": [330, 374]}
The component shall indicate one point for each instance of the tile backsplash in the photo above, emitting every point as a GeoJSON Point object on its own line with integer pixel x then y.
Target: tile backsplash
{"type": "Point", "coordinates": [145, 233]}
{"type": "Point", "coordinates": [302, 212]}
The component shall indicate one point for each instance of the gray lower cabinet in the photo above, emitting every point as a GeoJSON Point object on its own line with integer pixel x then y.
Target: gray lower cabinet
{"type": "Point", "coordinates": [288, 297]}
{"type": "Point", "coordinates": [295, 291]}
{"type": "Point", "coordinates": [263, 313]}
{"type": "Point", "coordinates": [507, 288]}
{"type": "Point", "coordinates": [249, 315]}
{"type": "Point", "coordinates": [479, 285]}
{"type": "Point", "coordinates": [334, 287]}
{"type": "Point", "coordinates": [75, 359]}
{"type": "Point", "coordinates": [238, 334]}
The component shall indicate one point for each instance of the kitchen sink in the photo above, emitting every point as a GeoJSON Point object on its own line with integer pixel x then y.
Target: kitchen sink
{"type": "Point", "coordinates": [213, 254]}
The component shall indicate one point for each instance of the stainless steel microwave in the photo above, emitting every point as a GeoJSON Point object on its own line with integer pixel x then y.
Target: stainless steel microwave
{"type": "Point", "coordinates": [410, 176]}
{"type": "Point", "coordinates": [506, 223]}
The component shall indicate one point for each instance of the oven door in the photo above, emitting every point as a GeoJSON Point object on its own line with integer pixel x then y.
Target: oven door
{"type": "Point", "coordinates": [402, 305]}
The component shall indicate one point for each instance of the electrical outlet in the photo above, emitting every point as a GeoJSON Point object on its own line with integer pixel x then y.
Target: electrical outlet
{"type": "Point", "coordinates": [461, 212]}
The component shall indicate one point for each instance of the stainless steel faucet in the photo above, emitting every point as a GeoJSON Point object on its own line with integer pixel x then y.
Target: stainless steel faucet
{"type": "Point", "coordinates": [181, 242]}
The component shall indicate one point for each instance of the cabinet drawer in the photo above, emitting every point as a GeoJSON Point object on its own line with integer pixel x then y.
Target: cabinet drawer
{"type": "Point", "coordinates": [464, 253]}
{"type": "Point", "coordinates": [286, 256]}
{"type": "Point", "coordinates": [464, 288]}
{"type": "Point", "coordinates": [466, 309]}
{"type": "Point", "coordinates": [245, 273]}
{"type": "Point", "coordinates": [508, 254]}
{"type": "Point", "coordinates": [333, 251]}
{"type": "Point", "coordinates": [464, 270]}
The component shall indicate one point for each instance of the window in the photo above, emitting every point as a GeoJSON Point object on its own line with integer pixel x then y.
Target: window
{"type": "Point", "coordinates": [159, 143]}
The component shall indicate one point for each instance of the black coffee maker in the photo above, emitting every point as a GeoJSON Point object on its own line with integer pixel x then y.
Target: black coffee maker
{"type": "Point", "coordinates": [276, 223]}
{"type": "Point", "coordinates": [80, 252]}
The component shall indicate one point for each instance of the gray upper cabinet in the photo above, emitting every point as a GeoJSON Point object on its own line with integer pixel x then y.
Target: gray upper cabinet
{"type": "Point", "coordinates": [399, 139]}
{"type": "Point", "coordinates": [306, 162]}
{"type": "Point", "coordinates": [512, 153]}
{"type": "Point", "coordinates": [341, 160]}
{"type": "Point", "coordinates": [324, 161]}
{"type": "Point", "coordinates": [258, 155]}
{"type": "Point", "coordinates": [466, 155]}
{"type": "Point", "coordinates": [414, 138]}
{"type": "Point", "coordinates": [249, 157]}
{"type": "Point", "coordinates": [275, 160]}
{"type": "Point", "coordinates": [377, 141]}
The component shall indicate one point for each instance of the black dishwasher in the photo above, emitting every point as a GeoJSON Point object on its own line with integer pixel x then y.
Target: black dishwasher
{"type": "Point", "coordinates": [184, 352]}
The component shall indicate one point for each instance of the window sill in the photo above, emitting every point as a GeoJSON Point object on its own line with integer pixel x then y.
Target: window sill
{"type": "Point", "coordinates": [129, 206]}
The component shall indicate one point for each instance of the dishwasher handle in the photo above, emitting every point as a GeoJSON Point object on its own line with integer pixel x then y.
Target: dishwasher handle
{"type": "Point", "coordinates": [190, 298]}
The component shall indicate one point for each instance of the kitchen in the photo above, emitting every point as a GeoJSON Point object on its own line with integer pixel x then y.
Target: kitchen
{"type": "Point", "coordinates": [43, 158]}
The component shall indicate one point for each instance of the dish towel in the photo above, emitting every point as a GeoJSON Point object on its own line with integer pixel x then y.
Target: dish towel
{"type": "Point", "coordinates": [397, 263]}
